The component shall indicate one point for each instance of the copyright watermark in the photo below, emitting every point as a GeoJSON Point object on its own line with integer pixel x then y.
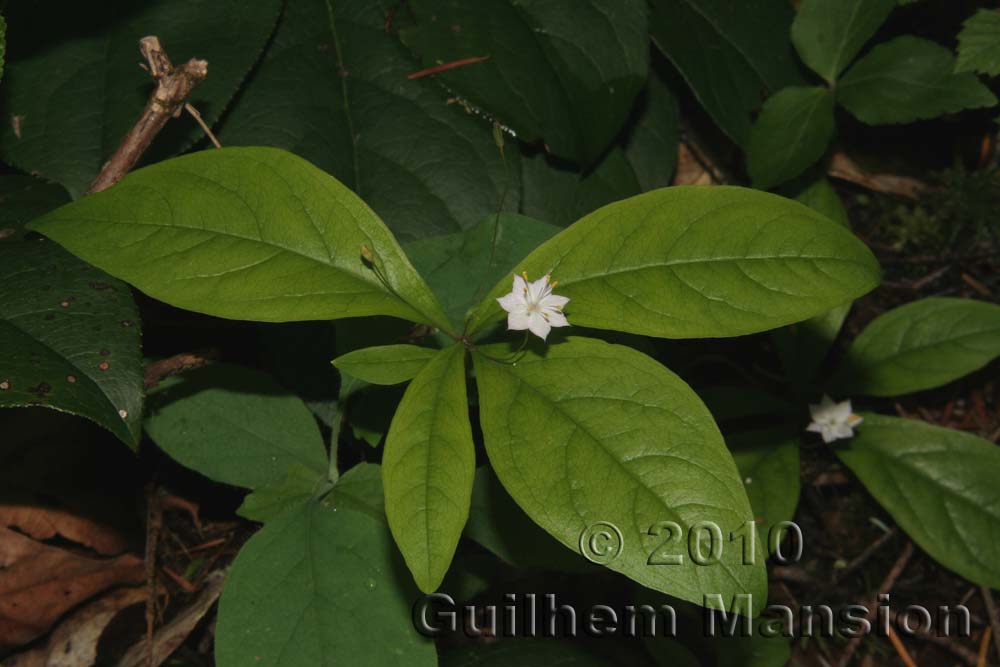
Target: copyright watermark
{"type": "Point", "coordinates": [601, 542]}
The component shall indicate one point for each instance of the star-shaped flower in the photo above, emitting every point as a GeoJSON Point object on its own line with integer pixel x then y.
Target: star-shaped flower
{"type": "Point", "coordinates": [533, 306]}
{"type": "Point", "coordinates": [833, 421]}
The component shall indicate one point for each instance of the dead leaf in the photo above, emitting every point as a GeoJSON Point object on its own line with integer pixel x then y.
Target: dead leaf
{"type": "Point", "coordinates": [74, 642]}
{"type": "Point", "coordinates": [693, 168]}
{"type": "Point", "coordinates": [846, 169]}
{"type": "Point", "coordinates": [40, 583]}
{"type": "Point", "coordinates": [44, 523]}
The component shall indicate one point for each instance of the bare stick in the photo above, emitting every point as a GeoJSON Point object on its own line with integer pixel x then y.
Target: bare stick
{"type": "Point", "coordinates": [201, 122]}
{"type": "Point", "coordinates": [887, 584]}
{"type": "Point", "coordinates": [173, 85]}
{"type": "Point", "coordinates": [991, 611]}
{"type": "Point", "coordinates": [155, 371]}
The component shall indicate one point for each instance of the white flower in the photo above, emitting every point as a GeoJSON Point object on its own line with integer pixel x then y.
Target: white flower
{"type": "Point", "coordinates": [833, 421]}
{"type": "Point", "coordinates": [533, 306]}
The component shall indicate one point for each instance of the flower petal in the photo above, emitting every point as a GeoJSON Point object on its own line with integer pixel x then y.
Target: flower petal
{"type": "Point", "coordinates": [538, 290]}
{"type": "Point", "coordinates": [518, 320]}
{"type": "Point", "coordinates": [554, 301]}
{"type": "Point", "coordinates": [520, 286]}
{"type": "Point", "coordinates": [538, 325]}
{"type": "Point", "coordinates": [555, 318]}
{"type": "Point", "coordinates": [513, 302]}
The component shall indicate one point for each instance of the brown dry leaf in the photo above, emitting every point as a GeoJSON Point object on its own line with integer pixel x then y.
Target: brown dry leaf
{"type": "Point", "coordinates": [173, 634]}
{"type": "Point", "coordinates": [39, 583]}
{"type": "Point", "coordinates": [844, 168]}
{"type": "Point", "coordinates": [693, 168]}
{"type": "Point", "coordinates": [44, 523]}
{"type": "Point", "coordinates": [74, 642]}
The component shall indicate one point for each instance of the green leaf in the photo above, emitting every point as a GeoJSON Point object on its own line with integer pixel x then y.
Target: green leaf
{"type": "Point", "coordinates": [22, 199]}
{"type": "Point", "coordinates": [289, 493]}
{"type": "Point", "coordinates": [70, 336]}
{"type": "Point", "coordinates": [816, 192]}
{"type": "Point", "coordinates": [245, 233]}
{"type": "Point", "coordinates": [428, 467]}
{"type": "Point", "coordinates": [590, 432]}
{"type": "Point", "coordinates": [909, 79]}
{"type": "Point", "coordinates": [768, 461]}
{"type": "Point", "coordinates": [727, 402]}
{"type": "Point", "coordinates": [360, 489]}
{"type": "Point", "coordinates": [730, 53]}
{"type": "Point", "coordinates": [235, 425]}
{"type": "Point", "coordinates": [921, 345]}
{"type": "Point", "coordinates": [564, 72]}
{"type": "Point", "coordinates": [526, 653]}
{"type": "Point", "coordinates": [386, 364]}
{"type": "Point", "coordinates": [72, 77]}
{"type": "Point", "coordinates": [297, 355]}
{"type": "Point", "coordinates": [979, 44]}
{"type": "Point", "coordinates": [939, 484]}
{"type": "Point", "coordinates": [319, 586]}
{"type": "Point", "coordinates": [332, 88]}
{"type": "Point", "coordinates": [460, 267]}
{"type": "Point", "coordinates": [498, 524]}
{"type": "Point", "coordinates": [828, 34]}
{"type": "Point", "coordinates": [651, 146]}
{"type": "Point", "coordinates": [690, 262]}
{"type": "Point", "coordinates": [791, 133]}
{"type": "Point", "coordinates": [559, 194]}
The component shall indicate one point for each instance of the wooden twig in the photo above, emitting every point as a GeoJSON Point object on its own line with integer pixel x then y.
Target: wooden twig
{"type": "Point", "coordinates": [156, 371]}
{"type": "Point", "coordinates": [887, 584]}
{"type": "Point", "coordinates": [994, 618]}
{"type": "Point", "coordinates": [897, 644]}
{"type": "Point", "coordinates": [173, 85]}
{"type": "Point", "coordinates": [154, 522]}
{"type": "Point", "coordinates": [863, 557]}
{"type": "Point", "coordinates": [444, 67]}
{"type": "Point", "coordinates": [984, 647]}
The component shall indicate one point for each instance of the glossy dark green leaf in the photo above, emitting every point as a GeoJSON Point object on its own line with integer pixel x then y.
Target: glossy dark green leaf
{"type": "Point", "coordinates": [22, 199]}
{"type": "Point", "coordinates": [590, 435]}
{"type": "Point", "coordinates": [979, 43]}
{"type": "Point", "coordinates": [828, 34]}
{"type": "Point", "coordinates": [730, 53]}
{"type": "Point", "coordinates": [70, 338]}
{"type": "Point", "coordinates": [921, 345]}
{"type": "Point", "coordinates": [332, 88]}
{"type": "Point", "coordinates": [909, 79]}
{"type": "Point", "coordinates": [689, 262]}
{"type": "Point", "coordinates": [728, 402]}
{"type": "Point", "coordinates": [791, 133]}
{"type": "Point", "coordinates": [73, 81]}
{"type": "Point", "coordinates": [461, 267]}
{"type": "Point", "coordinates": [562, 71]}
{"type": "Point", "coordinates": [245, 233]}
{"type": "Point", "coordinates": [319, 586]}
{"type": "Point", "coordinates": [651, 146]}
{"type": "Point", "coordinates": [3, 44]}
{"type": "Point", "coordinates": [939, 484]}
{"type": "Point", "coordinates": [559, 194]}
{"type": "Point", "coordinates": [234, 425]}
{"type": "Point", "coordinates": [428, 467]}
{"type": "Point", "coordinates": [768, 461]}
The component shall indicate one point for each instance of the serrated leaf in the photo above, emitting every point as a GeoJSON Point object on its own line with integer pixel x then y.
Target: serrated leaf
{"type": "Point", "coordinates": [73, 82]}
{"type": "Point", "coordinates": [428, 467]}
{"type": "Point", "coordinates": [70, 338]}
{"type": "Point", "coordinates": [385, 364]}
{"type": "Point", "coordinates": [939, 485]}
{"type": "Point", "coordinates": [564, 72]}
{"type": "Point", "coordinates": [921, 345]}
{"type": "Point", "coordinates": [499, 525]}
{"type": "Point", "coordinates": [332, 88]}
{"type": "Point", "coordinates": [909, 79]}
{"type": "Point", "coordinates": [22, 199]}
{"type": "Point", "coordinates": [828, 34]}
{"type": "Point", "coordinates": [979, 44]}
{"type": "Point", "coordinates": [461, 267]}
{"type": "Point", "coordinates": [730, 53]}
{"type": "Point", "coordinates": [690, 262]}
{"type": "Point", "coordinates": [590, 432]}
{"type": "Point", "coordinates": [768, 461]}
{"type": "Point", "coordinates": [319, 586]}
{"type": "Point", "coordinates": [300, 485]}
{"type": "Point", "coordinates": [235, 425]}
{"type": "Point", "coordinates": [245, 233]}
{"type": "Point", "coordinates": [791, 133]}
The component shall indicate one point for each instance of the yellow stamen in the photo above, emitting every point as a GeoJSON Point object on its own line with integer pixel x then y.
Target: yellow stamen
{"type": "Point", "coordinates": [554, 283]}
{"type": "Point", "coordinates": [524, 274]}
